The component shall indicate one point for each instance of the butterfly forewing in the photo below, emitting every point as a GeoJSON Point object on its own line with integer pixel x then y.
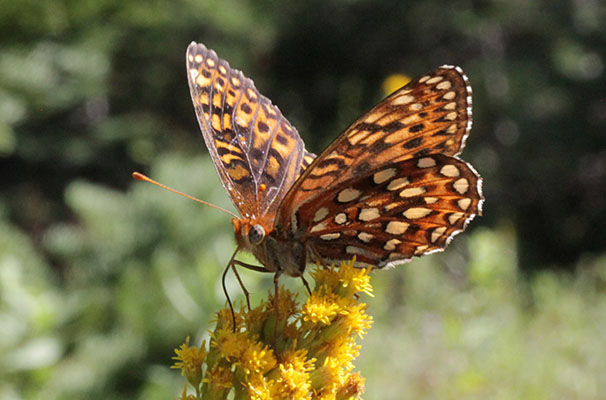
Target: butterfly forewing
{"type": "Point", "coordinates": [386, 216]}
{"type": "Point", "coordinates": [432, 114]}
{"type": "Point", "coordinates": [257, 152]}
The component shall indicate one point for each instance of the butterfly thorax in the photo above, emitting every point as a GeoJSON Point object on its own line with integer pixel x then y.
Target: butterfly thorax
{"type": "Point", "coordinates": [274, 252]}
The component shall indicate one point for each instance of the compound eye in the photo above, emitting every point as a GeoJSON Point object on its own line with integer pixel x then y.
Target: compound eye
{"type": "Point", "coordinates": [256, 234]}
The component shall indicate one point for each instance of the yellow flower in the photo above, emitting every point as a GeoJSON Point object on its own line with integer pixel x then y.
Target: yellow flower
{"type": "Point", "coordinates": [229, 343]}
{"type": "Point", "coordinates": [257, 359]}
{"type": "Point", "coordinates": [356, 280]}
{"type": "Point", "coordinates": [356, 320]}
{"type": "Point", "coordinates": [220, 377]}
{"type": "Point", "coordinates": [393, 82]}
{"type": "Point", "coordinates": [283, 349]}
{"type": "Point", "coordinates": [259, 388]}
{"type": "Point", "coordinates": [353, 386]}
{"type": "Point", "coordinates": [189, 360]}
{"type": "Point", "coordinates": [319, 309]}
{"type": "Point", "coordinates": [294, 374]}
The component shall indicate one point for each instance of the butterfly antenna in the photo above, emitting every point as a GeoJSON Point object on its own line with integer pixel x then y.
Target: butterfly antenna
{"type": "Point", "coordinates": [140, 177]}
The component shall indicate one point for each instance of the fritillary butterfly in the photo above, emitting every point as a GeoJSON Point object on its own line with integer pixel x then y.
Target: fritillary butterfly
{"type": "Point", "coordinates": [388, 188]}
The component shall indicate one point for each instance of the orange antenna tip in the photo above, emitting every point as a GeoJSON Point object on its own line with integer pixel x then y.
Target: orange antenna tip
{"type": "Point", "coordinates": [140, 177]}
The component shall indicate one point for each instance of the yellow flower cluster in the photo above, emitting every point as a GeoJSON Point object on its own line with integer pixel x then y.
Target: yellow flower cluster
{"type": "Point", "coordinates": [286, 350]}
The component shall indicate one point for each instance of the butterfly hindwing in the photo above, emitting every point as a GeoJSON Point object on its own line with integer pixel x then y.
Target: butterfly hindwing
{"type": "Point", "coordinates": [387, 216]}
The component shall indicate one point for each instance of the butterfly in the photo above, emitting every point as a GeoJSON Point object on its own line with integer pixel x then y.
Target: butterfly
{"type": "Point", "coordinates": [390, 187]}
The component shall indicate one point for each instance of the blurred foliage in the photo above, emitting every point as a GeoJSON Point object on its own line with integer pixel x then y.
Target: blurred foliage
{"type": "Point", "coordinates": [101, 277]}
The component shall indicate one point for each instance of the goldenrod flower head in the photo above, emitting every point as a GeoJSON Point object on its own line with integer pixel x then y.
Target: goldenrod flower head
{"type": "Point", "coordinates": [283, 349]}
{"type": "Point", "coordinates": [190, 360]}
{"type": "Point", "coordinates": [230, 344]}
{"type": "Point", "coordinates": [257, 359]}
{"type": "Point", "coordinates": [357, 280]}
{"type": "Point", "coordinates": [320, 308]}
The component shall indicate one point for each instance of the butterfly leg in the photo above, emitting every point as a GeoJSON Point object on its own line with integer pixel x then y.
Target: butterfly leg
{"type": "Point", "coordinates": [247, 266]}
{"type": "Point", "coordinates": [250, 266]}
{"type": "Point", "coordinates": [246, 292]}
{"type": "Point", "coordinates": [231, 307]}
{"type": "Point", "coordinates": [316, 257]}
{"type": "Point", "coordinates": [276, 289]}
{"type": "Point", "coordinates": [277, 308]}
{"type": "Point", "coordinates": [306, 285]}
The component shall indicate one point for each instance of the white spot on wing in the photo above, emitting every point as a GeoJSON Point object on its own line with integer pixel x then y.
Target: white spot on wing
{"type": "Point", "coordinates": [437, 233]}
{"type": "Point", "coordinates": [412, 192]}
{"type": "Point", "coordinates": [368, 214]}
{"type": "Point", "coordinates": [402, 99]}
{"type": "Point", "coordinates": [347, 195]}
{"type": "Point", "coordinates": [365, 237]}
{"type": "Point", "coordinates": [341, 218]}
{"type": "Point", "coordinates": [464, 203]}
{"type": "Point", "coordinates": [416, 212]}
{"type": "Point", "coordinates": [421, 249]}
{"type": "Point", "coordinates": [391, 244]}
{"type": "Point", "coordinates": [454, 217]}
{"type": "Point", "coordinates": [319, 227]}
{"type": "Point", "coordinates": [426, 162]}
{"type": "Point", "coordinates": [435, 79]}
{"type": "Point", "coordinates": [383, 176]}
{"type": "Point", "coordinates": [416, 107]}
{"type": "Point", "coordinates": [461, 185]}
{"type": "Point", "coordinates": [330, 236]}
{"type": "Point", "coordinates": [449, 95]}
{"type": "Point", "coordinates": [444, 85]}
{"type": "Point", "coordinates": [397, 184]}
{"type": "Point", "coordinates": [396, 227]}
{"type": "Point", "coordinates": [320, 214]}
{"type": "Point", "coordinates": [450, 171]}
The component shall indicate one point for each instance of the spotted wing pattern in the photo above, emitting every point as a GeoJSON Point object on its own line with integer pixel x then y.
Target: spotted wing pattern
{"type": "Point", "coordinates": [256, 151]}
{"type": "Point", "coordinates": [388, 215]}
{"type": "Point", "coordinates": [432, 114]}
{"type": "Point", "coordinates": [390, 187]}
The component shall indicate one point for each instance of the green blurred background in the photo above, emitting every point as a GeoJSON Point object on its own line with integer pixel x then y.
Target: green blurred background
{"type": "Point", "coordinates": [101, 277]}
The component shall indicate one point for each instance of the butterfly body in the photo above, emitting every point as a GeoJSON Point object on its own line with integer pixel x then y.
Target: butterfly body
{"type": "Point", "coordinates": [276, 255]}
{"type": "Point", "coordinates": [389, 188]}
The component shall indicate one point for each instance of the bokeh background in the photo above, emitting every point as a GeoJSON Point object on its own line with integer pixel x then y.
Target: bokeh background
{"type": "Point", "coordinates": [102, 277]}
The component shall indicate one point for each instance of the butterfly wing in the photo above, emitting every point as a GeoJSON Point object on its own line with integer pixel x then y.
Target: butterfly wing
{"type": "Point", "coordinates": [387, 216]}
{"type": "Point", "coordinates": [428, 119]}
{"type": "Point", "coordinates": [431, 114]}
{"type": "Point", "coordinates": [256, 151]}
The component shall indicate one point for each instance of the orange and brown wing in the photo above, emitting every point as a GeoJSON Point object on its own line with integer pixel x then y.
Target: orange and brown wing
{"type": "Point", "coordinates": [426, 121]}
{"type": "Point", "coordinates": [431, 114]}
{"type": "Point", "coordinates": [256, 151]}
{"type": "Point", "coordinates": [386, 216]}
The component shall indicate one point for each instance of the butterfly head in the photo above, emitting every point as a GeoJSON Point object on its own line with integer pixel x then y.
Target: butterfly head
{"type": "Point", "coordinates": [256, 234]}
{"type": "Point", "coordinates": [249, 233]}
{"type": "Point", "coordinates": [287, 256]}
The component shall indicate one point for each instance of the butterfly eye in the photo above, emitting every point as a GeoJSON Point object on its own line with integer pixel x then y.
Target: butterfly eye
{"type": "Point", "coordinates": [256, 234]}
